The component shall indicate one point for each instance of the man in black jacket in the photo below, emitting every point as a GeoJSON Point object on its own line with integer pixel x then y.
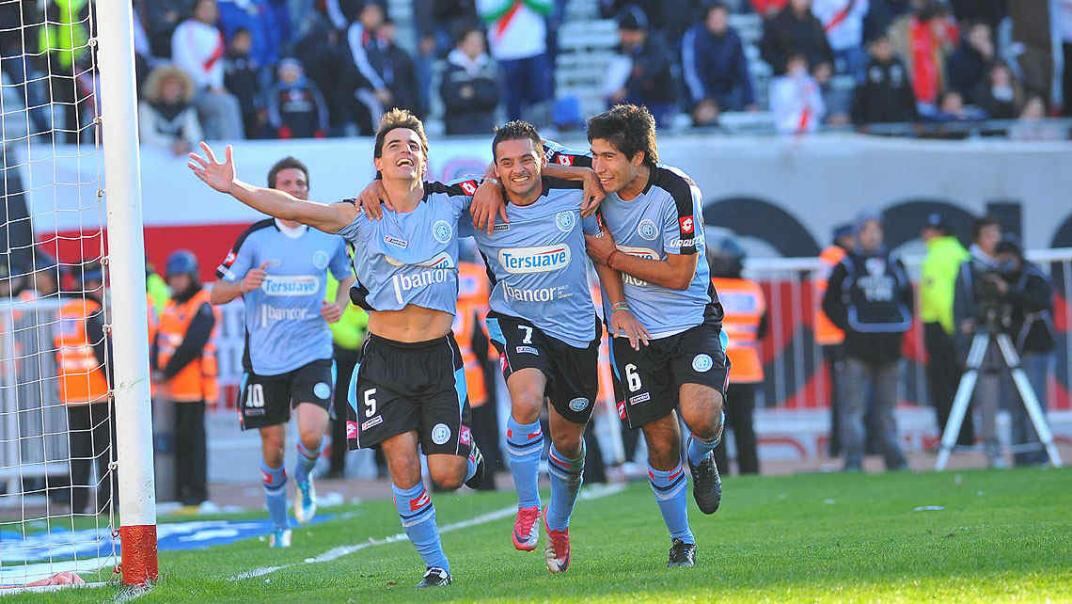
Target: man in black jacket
{"type": "Point", "coordinates": [869, 296]}
{"type": "Point", "coordinates": [795, 30]}
{"type": "Point", "coordinates": [885, 96]}
{"type": "Point", "coordinates": [470, 88]}
{"type": "Point", "coordinates": [651, 80]}
{"type": "Point", "coordinates": [1030, 295]}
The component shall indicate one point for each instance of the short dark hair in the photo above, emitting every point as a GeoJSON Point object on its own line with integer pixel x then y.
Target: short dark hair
{"type": "Point", "coordinates": [982, 223]}
{"type": "Point", "coordinates": [393, 120]}
{"type": "Point", "coordinates": [286, 163]}
{"type": "Point", "coordinates": [631, 129]}
{"type": "Point", "coordinates": [515, 130]}
{"type": "Point", "coordinates": [462, 30]}
{"type": "Point", "coordinates": [713, 6]}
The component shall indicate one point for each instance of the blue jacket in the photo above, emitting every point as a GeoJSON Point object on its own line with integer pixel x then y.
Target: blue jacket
{"type": "Point", "coordinates": [715, 65]}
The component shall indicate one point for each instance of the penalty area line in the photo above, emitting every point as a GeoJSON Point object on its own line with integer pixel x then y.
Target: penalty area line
{"type": "Point", "coordinates": [345, 550]}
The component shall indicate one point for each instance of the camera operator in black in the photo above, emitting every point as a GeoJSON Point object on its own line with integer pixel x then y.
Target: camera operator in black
{"type": "Point", "coordinates": [1030, 295]}
{"type": "Point", "coordinates": [870, 298]}
{"type": "Point", "coordinates": [978, 303]}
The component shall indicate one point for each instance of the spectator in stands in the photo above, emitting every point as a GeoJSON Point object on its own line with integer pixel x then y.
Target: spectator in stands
{"type": "Point", "coordinates": [197, 48]}
{"type": "Point", "coordinates": [1063, 17]}
{"type": "Point", "coordinates": [469, 89]}
{"type": "Point", "coordinates": [843, 21]}
{"type": "Point", "coordinates": [715, 67]}
{"type": "Point", "coordinates": [924, 40]}
{"type": "Point", "coordinates": [295, 107]}
{"type": "Point", "coordinates": [937, 282]}
{"type": "Point", "coordinates": [438, 23]}
{"type": "Point", "coordinates": [886, 95]}
{"type": "Point", "coordinates": [951, 108]}
{"type": "Point", "coordinates": [242, 78]}
{"type": "Point", "coordinates": [1033, 125]}
{"type": "Point", "coordinates": [160, 20]}
{"type": "Point", "coordinates": [869, 296]}
{"type": "Point", "coordinates": [768, 8]}
{"type": "Point", "coordinates": [967, 65]}
{"type": "Point", "coordinates": [1000, 95]}
{"type": "Point", "coordinates": [259, 17]}
{"type": "Point", "coordinates": [671, 18]}
{"type": "Point", "coordinates": [796, 31]}
{"type": "Point", "coordinates": [367, 52]}
{"type": "Point", "coordinates": [990, 12]}
{"type": "Point", "coordinates": [796, 99]}
{"type": "Point", "coordinates": [1031, 295]}
{"type": "Point", "coordinates": [517, 35]}
{"type": "Point", "coordinates": [19, 22]}
{"type": "Point", "coordinates": [325, 55]}
{"type": "Point", "coordinates": [167, 118]}
{"type": "Point", "coordinates": [400, 72]}
{"type": "Point", "coordinates": [650, 79]}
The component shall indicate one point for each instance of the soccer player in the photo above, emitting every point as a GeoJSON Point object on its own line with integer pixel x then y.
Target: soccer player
{"type": "Point", "coordinates": [653, 240]}
{"type": "Point", "coordinates": [409, 390]}
{"type": "Point", "coordinates": [544, 325]}
{"type": "Point", "coordinates": [277, 266]}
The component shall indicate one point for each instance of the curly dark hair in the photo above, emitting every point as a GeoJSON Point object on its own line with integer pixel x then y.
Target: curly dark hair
{"type": "Point", "coordinates": [285, 164]}
{"type": "Point", "coordinates": [395, 119]}
{"type": "Point", "coordinates": [515, 130]}
{"type": "Point", "coordinates": [630, 129]}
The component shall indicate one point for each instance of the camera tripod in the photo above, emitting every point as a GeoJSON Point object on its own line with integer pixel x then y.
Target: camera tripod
{"type": "Point", "coordinates": [980, 344]}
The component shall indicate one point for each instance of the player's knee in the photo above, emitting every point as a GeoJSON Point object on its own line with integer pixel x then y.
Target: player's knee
{"type": "Point", "coordinates": [446, 478]}
{"type": "Point", "coordinates": [311, 439]}
{"type": "Point", "coordinates": [570, 445]}
{"type": "Point", "coordinates": [526, 406]}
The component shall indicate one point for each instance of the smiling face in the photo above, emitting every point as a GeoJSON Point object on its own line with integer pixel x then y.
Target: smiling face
{"type": "Point", "coordinates": [293, 181]}
{"type": "Point", "coordinates": [614, 169]}
{"type": "Point", "coordinates": [519, 166]}
{"type": "Point", "coordinates": [402, 155]}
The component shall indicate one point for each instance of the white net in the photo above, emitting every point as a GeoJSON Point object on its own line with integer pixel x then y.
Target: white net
{"type": "Point", "coordinates": [56, 431]}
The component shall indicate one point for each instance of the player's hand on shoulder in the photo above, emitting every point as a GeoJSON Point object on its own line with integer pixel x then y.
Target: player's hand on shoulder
{"type": "Point", "coordinates": [218, 175]}
{"type": "Point", "coordinates": [330, 312]}
{"type": "Point", "coordinates": [372, 199]}
{"type": "Point", "coordinates": [623, 323]}
{"type": "Point", "coordinates": [488, 203]}
{"type": "Point", "coordinates": [255, 278]}
{"type": "Point", "coordinates": [593, 194]}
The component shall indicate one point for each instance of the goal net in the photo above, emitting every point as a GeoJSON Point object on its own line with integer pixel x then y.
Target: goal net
{"type": "Point", "coordinates": [59, 455]}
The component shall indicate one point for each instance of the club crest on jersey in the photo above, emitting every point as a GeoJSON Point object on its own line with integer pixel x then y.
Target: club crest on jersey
{"type": "Point", "coordinates": [702, 363]}
{"type": "Point", "coordinates": [321, 260]}
{"type": "Point", "coordinates": [687, 224]}
{"type": "Point", "coordinates": [442, 231]}
{"type": "Point", "coordinates": [565, 221]}
{"type": "Point", "coordinates": [440, 434]}
{"type": "Point", "coordinates": [578, 404]}
{"type": "Point", "coordinates": [543, 259]}
{"type": "Point", "coordinates": [647, 230]}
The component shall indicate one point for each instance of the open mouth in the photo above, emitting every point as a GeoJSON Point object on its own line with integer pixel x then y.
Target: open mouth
{"type": "Point", "coordinates": [404, 162]}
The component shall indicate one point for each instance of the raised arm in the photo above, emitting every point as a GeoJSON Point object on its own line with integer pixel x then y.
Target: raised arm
{"type": "Point", "coordinates": [222, 177]}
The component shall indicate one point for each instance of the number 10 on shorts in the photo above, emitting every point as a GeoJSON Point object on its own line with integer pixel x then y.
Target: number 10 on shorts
{"type": "Point", "coordinates": [255, 396]}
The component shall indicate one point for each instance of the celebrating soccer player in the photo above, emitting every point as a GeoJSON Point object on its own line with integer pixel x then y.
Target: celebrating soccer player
{"type": "Point", "coordinates": [277, 267]}
{"type": "Point", "coordinates": [409, 391]}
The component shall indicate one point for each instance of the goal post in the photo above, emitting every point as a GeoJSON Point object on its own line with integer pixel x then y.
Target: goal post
{"type": "Point", "coordinates": [126, 267]}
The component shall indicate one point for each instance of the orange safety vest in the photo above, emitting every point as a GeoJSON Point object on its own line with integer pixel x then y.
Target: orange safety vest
{"type": "Point", "coordinates": [197, 380]}
{"type": "Point", "coordinates": [826, 333]}
{"type": "Point", "coordinates": [154, 324]}
{"type": "Point", "coordinates": [744, 305]}
{"type": "Point", "coordinates": [473, 295]}
{"type": "Point", "coordinates": [82, 378]}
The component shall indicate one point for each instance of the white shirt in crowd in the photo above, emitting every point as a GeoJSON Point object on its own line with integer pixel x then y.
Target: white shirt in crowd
{"type": "Point", "coordinates": [797, 104]}
{"type": "Point", "coordinates": [843, 21]}
{"type": "Point", "coordinates": [198, 50]}
{"type": "Point", "coordinates": [519, 34]}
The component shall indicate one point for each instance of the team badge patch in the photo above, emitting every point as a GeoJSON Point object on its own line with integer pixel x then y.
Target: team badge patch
{"type": "Point", "coordinates": [442, 231]}
{"type": "Point", "coordinates": [578, 404]}
{"type": "Point", "coordinates": [440, 434]}
{"type": "Point", "coordinates": [320, 260]}
{"type": "Point", "coordinates": [647, 229]}
{"type": "Point", "coordinates": [702, 363]}
{"type": "Point", "coordinates": [322, 390]}
{"type": "Point", "coordinates": [565, 221]}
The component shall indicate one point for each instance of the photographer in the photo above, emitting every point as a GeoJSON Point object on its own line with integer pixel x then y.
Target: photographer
{"type": "Point", "coordinates": [977, 302]}
{"type": "Point", "coordinates": [1030, 295]}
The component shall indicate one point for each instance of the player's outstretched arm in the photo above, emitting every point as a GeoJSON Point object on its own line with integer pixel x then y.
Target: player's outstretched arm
{"type": "Point", "coordinates": [222, 177]}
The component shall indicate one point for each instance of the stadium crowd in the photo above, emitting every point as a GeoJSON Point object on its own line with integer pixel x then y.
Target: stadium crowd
{"type": "Point", "coordinates": [314, 68]}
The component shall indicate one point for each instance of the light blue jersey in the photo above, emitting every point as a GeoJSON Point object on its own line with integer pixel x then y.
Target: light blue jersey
{"type": "Point", "coordinates": [412, 257]}
{"type": "Point", "coordinates": [539, 264]}
{"type": "Point", "coordinates": [658, 222]}
{"type": "Point", "coordinates": [284, 329]}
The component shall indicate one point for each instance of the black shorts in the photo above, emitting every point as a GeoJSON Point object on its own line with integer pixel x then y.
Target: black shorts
{"type": "Point", "coordinates": [266, 400]}
{"type": "Point", "coordinates": [647, 381]}
{"type": "Point", "coordinates": [572, 373]}
{"type": "Point", "coordinates": [401, 387]}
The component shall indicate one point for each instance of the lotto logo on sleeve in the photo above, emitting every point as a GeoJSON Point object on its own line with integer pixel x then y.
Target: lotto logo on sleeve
{"type": "Point", "coordinates": [469, 186]}
{"type": "Point", "coordinates": [688, 225]}
{"type": "Point", "coordinates": [351, 430]}
{"type": "Point", "coordinates": [564, 160]}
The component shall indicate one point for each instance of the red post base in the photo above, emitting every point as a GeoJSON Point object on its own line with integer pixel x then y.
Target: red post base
{"type": "Point", "coordinates": [139, 554]}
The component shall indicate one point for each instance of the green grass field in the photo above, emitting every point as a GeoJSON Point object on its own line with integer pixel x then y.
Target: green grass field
{"type": "Point", "coordinates": [816, 537]}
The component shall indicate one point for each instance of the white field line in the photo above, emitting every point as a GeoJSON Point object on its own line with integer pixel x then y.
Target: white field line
{"type": "Point", "coordinates": [345, 550]}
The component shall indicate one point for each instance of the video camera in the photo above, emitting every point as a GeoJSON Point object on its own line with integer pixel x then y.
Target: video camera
{"type": "Point", "coordinates": [994, 307]}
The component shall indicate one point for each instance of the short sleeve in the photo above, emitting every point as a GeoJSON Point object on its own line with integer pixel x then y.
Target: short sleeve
{"type": "Point", "coordinates": [340, 261]}
{"type": "Point", "coordinates": [590, 225]}
{"type": "Point", "coordinates": [679, 221]}
{"type": "Point", "coordinates": [349, 232]}
{"type": "Point", "coordinates": [558, 154]}
{"type": "Point", "coordinates": [238, 260]}
{"type": "Point", "coordinates": [465, 224]}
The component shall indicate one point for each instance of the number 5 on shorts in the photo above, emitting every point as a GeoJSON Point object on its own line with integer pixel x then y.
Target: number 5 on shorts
{"type": "Point", "coordinates": [370, 402]}
{"type": "Point", "coordinates": [632, 378]}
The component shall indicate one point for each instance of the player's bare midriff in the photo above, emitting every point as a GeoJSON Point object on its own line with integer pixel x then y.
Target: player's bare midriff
{"type": "Point", "coordinates": [411, 324]}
